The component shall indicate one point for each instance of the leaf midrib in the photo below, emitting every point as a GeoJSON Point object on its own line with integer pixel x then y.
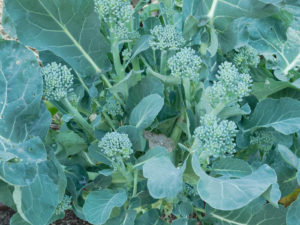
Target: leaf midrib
{"type": "Point", "coordinates": [66, 31]}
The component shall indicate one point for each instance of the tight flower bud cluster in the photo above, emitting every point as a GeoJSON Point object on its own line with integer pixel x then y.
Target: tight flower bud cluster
{"type": "Point", "coordinates": [214, 137]}
{"type": "Point", "coordinates": [116, 146]}
{"type": "Point", "coordinates": [117, 14]}
{"type": "Point", "coordinates": [113, 107]}
{"type": "Point", "coordinates": [231, 86]}
{"type": "Point", "coordinates": [246, 57]}
{"type": "Point", "coordinates": [263, 140]}
{"type": "Point", "coordinates": [58, 81]}
{"type": "Point", "coordinates": [165, 38]}
{"type": "Point", "coordinates": [185, 64]}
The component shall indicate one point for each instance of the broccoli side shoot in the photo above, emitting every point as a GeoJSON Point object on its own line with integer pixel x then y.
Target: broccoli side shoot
{"type": "Point", "coordinates": [116, 146]}
{"type": "Point", "coordinates": [113, 107]}
{"type": "Point", "coordinates": [263, 140]}
{"type": "Point", "coordinates": [246, 57]}
{"type": "Point", "coordinates": [214, 138]}
{"type": "Point", "coordinates": [64, 205]}
{"type": "Point", "coordinates": [231, 86]}
{"type": "Point", "coordinates": [58, 81]}
{"type": "Point", "coordinates": [165, 38]}
{"type": "Point", "coordinates": [117, 14]}
{"type": "Point", "coordinates": [185, 64]}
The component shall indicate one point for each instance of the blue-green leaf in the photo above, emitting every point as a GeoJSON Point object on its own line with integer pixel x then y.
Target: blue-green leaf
{"type": "Point", "coordinates": [68, 28]}
{"type": "Point", "coordinates": [293, 213]}
{"type": "Point", "coordinates": [37, 202]}
{"type": "Point", "coordinates": [164, 179]}
{"type": "Point", "coordinates": [23, 168]}
{"type": "Point", "coordinates": [99, 204]}
{"type": "Point", "coordinates": [143, 115]}
{"type": "Point", "coordinates": [281, 114]}
{"type": "Point", "coordinates": [20, 94]}
{"type": "Point", "coordinates": [288, 156]}
{"type": "Point", "coordinates": [231, 194]}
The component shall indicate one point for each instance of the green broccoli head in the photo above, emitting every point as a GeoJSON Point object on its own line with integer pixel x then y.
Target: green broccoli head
{"type": "Point", "coordinates": [246, 57]}
{"type": "Point", "coordinates": [166, 37]}
{"type": "Point", "coordinates": [113, 107]}
{"type": "Point", "coordinates": [117, 14]}
{"type": "Point", "coordinates": [231, 86]}
{"type": "Point", "coordinates": [58, 81]}
{"type": "Point", "coordinates": [185, 64]}
{"type": "Point", "coordinates": [116, 146]}
{"type": "Point", "coordinates": [263, 140]}
{"type": "Point", "coordinates": [215, 137]}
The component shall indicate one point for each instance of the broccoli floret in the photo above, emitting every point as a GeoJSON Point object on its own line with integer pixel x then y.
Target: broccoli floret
{"type": "Point", "coordinates": [113, 107]}
{"type": "Point", "coordinates": [214, 137]}
{"type": "Point", "coordinates": [126, 54]}
{"type": "Point", "coordinates": [185, 64]}
{"type": "Point", "coordinates": [189, 190]}
{"type": "Point", "coordinates": [116, 146]}
{"type": "Point", "coordinates": [165, 38]}
{"type": "Point", "coordinates": [58, 81]}
{"type": "Point", "coordinates": [231, 86]}
{"type": "Point", "coordinates": [263, 140]}
{"type": "Point", "coordinates": [246, 57]}
{"type": "Point", "coordinates": [117, 14]}
{"type": "Point", "coordinates": [64, 205]}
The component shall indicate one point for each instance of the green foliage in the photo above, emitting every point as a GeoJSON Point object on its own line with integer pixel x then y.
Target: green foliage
{"type": "Point", "coordinates": [169, 112]}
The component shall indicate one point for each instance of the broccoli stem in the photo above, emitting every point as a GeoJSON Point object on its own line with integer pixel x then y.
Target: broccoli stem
{"type": "Point", "coordinates": [78, 117]}
{"type": "Point", "coordinates": [116, 57]}
{"type": "Point", "coordinates": [135, 181]}
{"type": "Point", "coordinates": [163, 61]}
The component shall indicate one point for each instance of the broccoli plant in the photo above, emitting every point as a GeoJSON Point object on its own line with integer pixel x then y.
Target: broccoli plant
{"type": "Point", "coordinates": [153, 112]}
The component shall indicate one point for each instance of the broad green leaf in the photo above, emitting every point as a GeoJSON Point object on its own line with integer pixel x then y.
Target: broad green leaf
{"type": "Point", "coordinates": [288, 156]}
{"type": "Point", "coordinates": [151, 153]}
{"type": "Point", "coordinates": [126, 218]}
{"type": "Point", "coordinates": [151, 217]}
{"type": "Point", "coordinates": [97, 156]}
{"type": "Point", "coordinates": [22, 169]}
{"type": "Point", "coordinates": [281, 114]}
{"type": "Point", "coordinates": [298, 175]}
{"type": "Point", "coordinates": [231, 167]}
{"type": "Point", "coordinates": [231, 194]}
{"type": "Point", "coordinates": [68, 28]}
{"type": "Point", "coordinates": [20, 94]}
{"type": "Point", "coordinates": [164, 179]}
{"type": "Point", "coordinates": [141, 45]}
{"type": "Point", "coordinates": [70, 143]}
{"type": "Point", "coordinates": [7, 24]}
{"type": "Point", "coordinates": [184, 221]}
{"type": "Point", "coordinates": [147, 86]}
{"type": "Point", "coordinates": [135, 135]}
{"type": "Point", "coordinates": [253, 214]}
{"type": "Point", "coordinates": [261, 90]}
{"type": "Point", "coordinates": [279, 45]}
{"type": "Point", "coordinates": [293, 213]}
{"type": "Point", "coordinates": [99, 204]}
{"type": "Point", "coordinates": [16, 219]}
{"type": "Point", "coordinates": [6, 195]}
{"type": "Point", "coordinates": [143, 115]}
{"type": "Point", "coordinates": [37, 202]}
{"type": "Point", "coordinates": [273, 195]}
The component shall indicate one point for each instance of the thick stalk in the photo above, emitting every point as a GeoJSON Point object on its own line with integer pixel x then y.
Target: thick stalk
{"type": "Point", "coordinates": [177, 131]}
{"type": "Point", "coordinates": [116, 57]}
{"type": "Point", "coordinates": [163, 61]}
{"type": "Point", "coordinates": [135, 181]}
{"type": "Point", "coordinates": [77, 117]}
